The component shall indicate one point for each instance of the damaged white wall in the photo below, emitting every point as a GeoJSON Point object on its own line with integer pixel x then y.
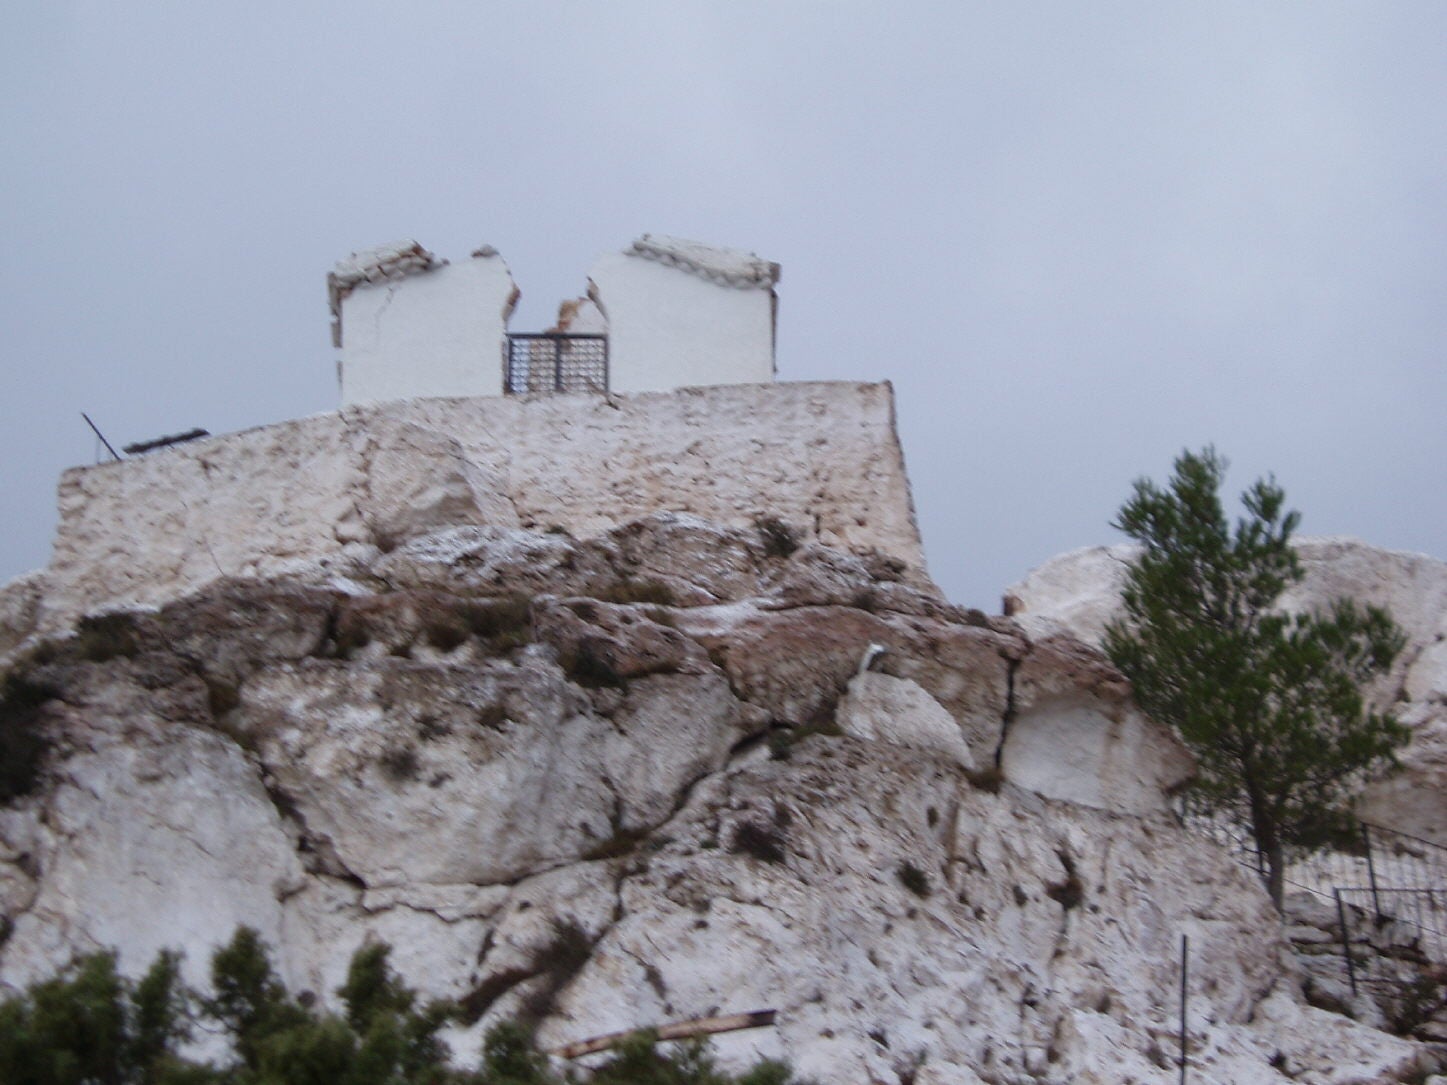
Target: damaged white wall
{"type": "Point", "coordinates": [677, 314]}
{"type": "Point", "coordinates": [410, 325]}
{"type": "Point", "coordinates": [680, 313]}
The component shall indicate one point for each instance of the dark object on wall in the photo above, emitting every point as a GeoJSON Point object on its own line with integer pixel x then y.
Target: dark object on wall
{"type": "Point", "coordinates": [161, 442]}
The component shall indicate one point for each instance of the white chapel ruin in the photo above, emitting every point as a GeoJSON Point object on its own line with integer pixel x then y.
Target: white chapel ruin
{"type": "Point", "coordinates": [654, 394]}
{"type": "Point", "coordinates": [665, 313]}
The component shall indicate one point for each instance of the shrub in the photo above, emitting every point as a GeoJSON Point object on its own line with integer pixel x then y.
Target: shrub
{"type": "Point", "coordinates": [914, 879]}
{"type": "Point", "coordinates": [639, 590]}
{"type": "Point", "coordinates": [558, 962]}
{"type": "Point", "coordinates": [505, 620]}
{"type": "Point", "coordinates": [783, 739]}
{"type": "Point", "coordinates": [760, 840]}
{"type": "Point", "coordinates": [104, 637]}
{"type": "Point", "coordinates": [91, 1025]}
{"type": "Point", "coordinates": [400, 763]}
{"type": "Point", "coordinates": [780, 540]}
{"type": "Point", "coordinates": [23, 743]}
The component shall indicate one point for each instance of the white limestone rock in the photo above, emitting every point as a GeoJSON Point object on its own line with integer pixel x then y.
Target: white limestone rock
{"type": "Point", "coordinates": [561, 807]}
{"type": "Point", "coordinates": [152, 837]}
{"type": "Point", "coordinates": [1078, 593]}
{"type": "Point", "coordinates": [419, 479]}
{"type": "Point", "coordinates": [881, 708]}
{"type": "Point", "coordinates": [1075, 734]}
{"type": "Point", "coordinates": [1076, 749]}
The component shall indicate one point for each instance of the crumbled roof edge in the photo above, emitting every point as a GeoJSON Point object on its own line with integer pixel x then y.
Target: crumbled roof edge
{"type": "Point", "coordinates": [382, 263]}
{"type": "Point", "coordinates": [727, 267]}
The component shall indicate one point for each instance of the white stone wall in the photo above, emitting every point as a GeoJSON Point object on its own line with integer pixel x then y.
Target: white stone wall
{"type": "Point", "coordinates": [677, 314]}
{"type": "Point", "coordinates": [421, 327]}
{"type": "Point", "coordinates": [681, 314]}
{"type": "Point", "coordinates": [821, 457]}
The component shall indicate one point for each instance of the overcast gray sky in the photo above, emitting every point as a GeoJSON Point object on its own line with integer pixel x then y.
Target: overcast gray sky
{"type": "Point", "coordinates": [1077, 237]}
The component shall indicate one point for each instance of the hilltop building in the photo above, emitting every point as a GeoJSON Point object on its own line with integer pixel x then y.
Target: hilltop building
{"type": "Point", "coordinates": [665, 313]}
{"type": "Point", "coordinates": [652, 394]}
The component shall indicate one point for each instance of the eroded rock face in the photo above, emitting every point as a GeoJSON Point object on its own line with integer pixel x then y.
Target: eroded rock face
{"type": "Point", "coordinates": [1079, 592]}
{"type": "Point", "coordinates": [610, 782]}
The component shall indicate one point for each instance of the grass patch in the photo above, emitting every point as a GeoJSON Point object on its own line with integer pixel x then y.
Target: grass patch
{"type": "Point", "coordinates": [400, 764]}
{"type": "Point", "coordinates": [505, 616]}
{"type": "Point", "coordinates": [622, 842]}
{"type": "Point", "coordinates": [558, 962]}
{"type": "Point", "coordinates": [23, 743]}
{"type": "Point", "coordinates": [589, 667]}
{"type": "Point", "coordinates": [782, 740]}
{"type": "Point", "coordinates": [779, 539]}
{"type": "Point", "coordinates": [1069, 893]}
{"type": "Point", "coordinates": [914, 879]}
{"type": "Point", "coordinates": [104, 637]}
{"type": "Point", "coordinates": [987, 780]}
{"type": "Point", "coordinates": [760, 840]}
{"type": "Point", "coordinates": [639, 590]}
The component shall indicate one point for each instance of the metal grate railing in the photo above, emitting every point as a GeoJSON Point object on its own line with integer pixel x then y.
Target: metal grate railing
{"type": "Point", "coordinates": [1388, 889]}
{"type": "Point", "coordinates": [552, 362]}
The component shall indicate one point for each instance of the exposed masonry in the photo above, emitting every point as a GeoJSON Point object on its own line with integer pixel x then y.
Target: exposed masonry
{"type": "Point", "coordinates": [822, 458]}
{"type": "Point", "coordinates": [723, 266]}
{"type": "Point", "coordinates": [385, 263]}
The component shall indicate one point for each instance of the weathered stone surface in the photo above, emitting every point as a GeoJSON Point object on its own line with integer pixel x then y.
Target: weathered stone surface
{"type": "Point", "coordinates": [793, 663]}
{"type": "Point", "coordinates": [418, 479]}
{"type": "Point", "coordinates": [19, 608]}
{"type": "Point", "coordinates": [560, 807]}
{"type": "Point", "coordinates": [965, 667]}
{"type": "Point", "coordinates": [1075, 734]}
{"type": "Point", "coordinates": [1078, 593]}
{"type": "Point", "coordinates": [491, 560]}
{"type": "Point", "coordinates": [692, 559]}
{"type": "Point", "coordinates": [324, 492]}
{"type": "Point", "coordinates": [881, 708]}
{"type": "Point", "coordinates": [152, 835]}
{"type": "Point", "coordinates": [606, 644]}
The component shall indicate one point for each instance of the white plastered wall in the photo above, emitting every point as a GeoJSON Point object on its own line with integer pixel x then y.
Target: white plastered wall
{"type": "Point", "coordinates": [677, 323]}
{"type": "Point", "coordinates": [434, 332]}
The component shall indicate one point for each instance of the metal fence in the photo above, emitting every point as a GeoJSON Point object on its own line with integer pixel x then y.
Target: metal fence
{"type": "Point", "coordinates": [1388, 890]}
{"type": "Point", "coordinates": [551, 362]}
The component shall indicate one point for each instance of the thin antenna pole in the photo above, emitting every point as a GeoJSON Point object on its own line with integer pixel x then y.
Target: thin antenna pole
{"type": "Point", "coordinates": [101, 435]}
{"type": "Point", "coordinates": [1185, 944]}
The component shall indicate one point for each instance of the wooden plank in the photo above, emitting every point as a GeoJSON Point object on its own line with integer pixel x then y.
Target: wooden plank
{"type": "Point", "coordinates": [679, 1030]}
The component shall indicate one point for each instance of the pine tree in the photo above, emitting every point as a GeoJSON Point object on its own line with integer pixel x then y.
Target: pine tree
{"type": "Point", "coordinates": [1271, 703]}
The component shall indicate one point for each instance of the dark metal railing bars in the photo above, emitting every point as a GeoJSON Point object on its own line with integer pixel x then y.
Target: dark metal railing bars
{"type": "Point", "coordinates": [1388, 888]}
{"type": "Point", "coordinates": [553, 362]}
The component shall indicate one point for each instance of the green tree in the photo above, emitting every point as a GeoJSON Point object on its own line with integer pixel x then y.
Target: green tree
{"type": "Point", "coordinates": [509, 1057]}
{"type": "Point", "coordinates": [92, 1026]}
{"type": "Point", "coordinates": [1271, 703]}
{"type": "Point", "coordinates": [249, 1002]}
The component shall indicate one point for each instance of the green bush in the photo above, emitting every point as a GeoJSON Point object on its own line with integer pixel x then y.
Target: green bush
{"type": "Point", "coordinates": [91, 1026]}
{"type": "Point", "coordinates": [22, 740]}
{"type": "Point", "coordinates": [913, 878]}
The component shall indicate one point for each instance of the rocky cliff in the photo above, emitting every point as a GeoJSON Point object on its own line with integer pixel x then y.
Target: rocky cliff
{"type": "Point", "coordinates": [672, 769]}
{"type": "Point", "coordinates": [607, 712]}
{"type": "Point", "coordinates": [1077, 593]}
